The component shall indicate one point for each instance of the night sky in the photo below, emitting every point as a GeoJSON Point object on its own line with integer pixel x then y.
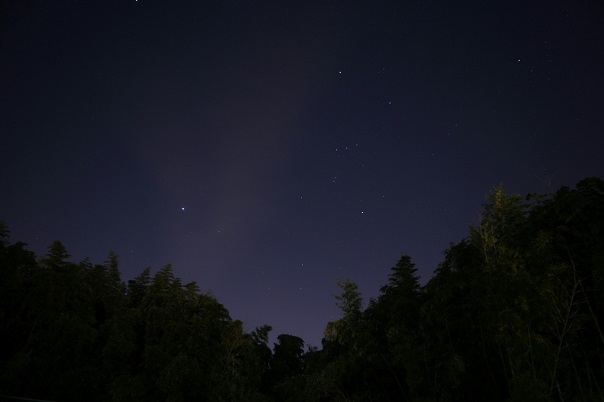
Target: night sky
{"type": "Point", "coordinates": [268, 148]}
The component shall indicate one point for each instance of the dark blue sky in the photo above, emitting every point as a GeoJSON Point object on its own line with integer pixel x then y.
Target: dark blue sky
{"type": "Point", "coordinates": [267, 148]}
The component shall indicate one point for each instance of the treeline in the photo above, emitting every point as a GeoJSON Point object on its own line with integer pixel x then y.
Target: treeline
{"type": "Point", "coordinates": [515, 312]}
{"type": "Point", "coordinates": [74, 332]}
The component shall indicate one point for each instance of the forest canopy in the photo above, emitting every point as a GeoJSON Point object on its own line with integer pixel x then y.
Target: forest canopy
{"type": "Point", "coordinates": [514, 312]}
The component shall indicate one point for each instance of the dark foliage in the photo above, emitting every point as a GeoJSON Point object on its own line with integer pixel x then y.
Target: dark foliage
{"type": "Point", "coordinates": [515, 312]}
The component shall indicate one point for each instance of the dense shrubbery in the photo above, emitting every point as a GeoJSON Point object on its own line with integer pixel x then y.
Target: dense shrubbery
{"type": "Point", "coordinates": [514, 312]}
